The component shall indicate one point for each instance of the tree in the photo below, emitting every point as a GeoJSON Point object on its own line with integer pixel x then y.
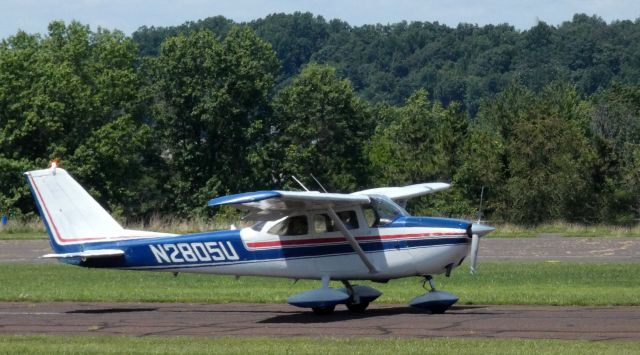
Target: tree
{"type": "Point", "coordinates": [57, 89]}
{"type": "Point", "coordinates": [615, 129]}
{"type": "Point", "coordinates": [533, 172]}
{"type": "Point", "coordinates": [209, 98]}
{"type": "Point", "coordinates": [322, 126]}
{"type": "Point", "coordinates": [294, 37]}
{"type": "Point", "coordinates": [419, 142]}
{"type": "Point", "coordinates": [116, 162]}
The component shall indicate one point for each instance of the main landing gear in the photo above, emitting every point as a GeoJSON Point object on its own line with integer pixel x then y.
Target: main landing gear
{"type": "Point", "coordinates": [358, 297]}
{"type": "Point", "coordinates": [324, 300]}
{"type": "Point", "coordinates": [437, 302]}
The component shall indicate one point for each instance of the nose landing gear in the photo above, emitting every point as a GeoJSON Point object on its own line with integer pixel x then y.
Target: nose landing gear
{"type": "Point", "coordinates": [437, 302]}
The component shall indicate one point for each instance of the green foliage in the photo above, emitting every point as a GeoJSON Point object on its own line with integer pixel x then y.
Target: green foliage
{"type": "Point", "coordinates": [420, 141]}
{"type": "Point", "coordinates": [119, 174]}
{"type": "Point", "coordinates": [521, 149]}
{"type": "Point", "coordinates": [322, 126]}
{"type": "Point", "coordinates": [294, 37]}
{"type": "Point", "coordinates": [209, 99]}
{"type": "Point", "coordinates": [59, 95]}
{"type": "Point", "coordinates": [163, 121]}
{"type": "Point", "coordinates": [14, 193]}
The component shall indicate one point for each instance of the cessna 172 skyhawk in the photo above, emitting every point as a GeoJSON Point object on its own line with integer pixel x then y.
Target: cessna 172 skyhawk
{"type": "Point", "coordinates": [365, 235]}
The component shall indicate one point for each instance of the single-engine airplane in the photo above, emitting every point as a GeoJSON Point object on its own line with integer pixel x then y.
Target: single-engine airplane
{"type": "Point", "coordinates": [366, 235]}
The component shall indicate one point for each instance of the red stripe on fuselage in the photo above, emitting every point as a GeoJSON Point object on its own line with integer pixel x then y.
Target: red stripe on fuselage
{"type": "Point", "coordinates": [333, 240]}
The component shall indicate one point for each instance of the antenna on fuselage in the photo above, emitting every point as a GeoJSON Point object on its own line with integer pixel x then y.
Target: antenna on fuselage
{"type": "Point", "coordinates": [299, 183]}
{"type": "Point", "coordinates": [319, 184]}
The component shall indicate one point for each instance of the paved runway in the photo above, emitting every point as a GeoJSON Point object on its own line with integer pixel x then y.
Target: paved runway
{"type": "Point", "coordinates": [143, 319]}
{"type": "Point", "coordinates": [599, 249]}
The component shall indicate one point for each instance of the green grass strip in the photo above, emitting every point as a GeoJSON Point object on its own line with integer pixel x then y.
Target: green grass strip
{"type": "Point", "coordinates": [541, 283]}
{"type": "Point", "coordinates": [254, 345]}
{"type": "Point", "coordinates": [564, 229]}
{"type": "Point", "coordinates": [23, 236]}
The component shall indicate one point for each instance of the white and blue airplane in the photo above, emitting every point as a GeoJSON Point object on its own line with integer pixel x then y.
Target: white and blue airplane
{"type": "Point", "coordinates": [365, 235]}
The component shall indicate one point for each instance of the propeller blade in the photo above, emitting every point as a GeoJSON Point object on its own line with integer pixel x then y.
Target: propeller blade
{"type": "Point", "coordinates": [477, 230]}
{"type": "Point", "coordinates": [473, 254]}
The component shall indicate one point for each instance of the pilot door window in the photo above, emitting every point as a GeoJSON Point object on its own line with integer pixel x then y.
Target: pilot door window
{"type": "Point", "coordinates": [296, 225]}
{"type": "Point", "coordinates": [371, 216]}
{"type": "Point", "coordinates": [349, 219]}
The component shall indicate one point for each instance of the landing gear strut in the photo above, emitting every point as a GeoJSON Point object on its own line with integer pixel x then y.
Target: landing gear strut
{"type": "Point", "coordinates": [355, 303]}
{"type": "Point", "coordinates": [437, 302]}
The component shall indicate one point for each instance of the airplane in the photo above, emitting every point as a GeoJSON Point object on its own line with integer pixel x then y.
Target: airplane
{"type": "Point", "coordinates": [365, 235]}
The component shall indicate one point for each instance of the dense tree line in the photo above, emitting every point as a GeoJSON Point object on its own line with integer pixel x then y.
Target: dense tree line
{"type": "Point", "coordinates": [465, 64]}
{"type": "Point", "coordinates": [547, 120]}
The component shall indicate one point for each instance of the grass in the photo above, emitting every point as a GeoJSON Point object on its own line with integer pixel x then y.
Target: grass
{"type": "Point", "coordinates": [564, 229]}
{"type": "Point", "coordinates": [539, 283]}
{"type": "Point", "coordinates": [23, 229]}
{"type": "Point", "coordinates": [40, 344]}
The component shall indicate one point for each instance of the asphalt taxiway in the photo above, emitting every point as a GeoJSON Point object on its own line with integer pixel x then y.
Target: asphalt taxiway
{"type": "Point", "coordinates": [170, 319]}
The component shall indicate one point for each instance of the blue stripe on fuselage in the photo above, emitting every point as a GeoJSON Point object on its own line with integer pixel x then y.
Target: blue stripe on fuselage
{"type": "Point", "coordinates": [227, 247]}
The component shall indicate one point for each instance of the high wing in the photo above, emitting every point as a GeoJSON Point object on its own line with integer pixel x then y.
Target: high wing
{"type": "Point", "coordinates": [274, 204]}
{"type": "Point", "coordinates": [278, 203]}
{"type": "Point", "coordinates": [401, 194]}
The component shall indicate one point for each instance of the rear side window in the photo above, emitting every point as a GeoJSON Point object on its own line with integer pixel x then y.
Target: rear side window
{"type": "Point", "coordinates": [323, 223]}
{"type": "Point", "coordinates": [258, 226]}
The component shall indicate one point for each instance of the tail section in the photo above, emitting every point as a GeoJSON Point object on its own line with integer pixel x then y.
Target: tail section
{"type": "Point", "coordinates": [70, 214]}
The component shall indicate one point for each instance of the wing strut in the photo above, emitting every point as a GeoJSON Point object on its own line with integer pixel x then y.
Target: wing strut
{"type": "Point", "coordinates": [352, 240]}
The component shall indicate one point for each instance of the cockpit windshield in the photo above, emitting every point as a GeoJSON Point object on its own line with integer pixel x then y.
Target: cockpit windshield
{"type": "Point", "coordinates": [386, 210]}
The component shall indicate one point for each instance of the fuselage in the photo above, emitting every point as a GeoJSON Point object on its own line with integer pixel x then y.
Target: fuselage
{"type": "Point", "coordinates": [404, 247]}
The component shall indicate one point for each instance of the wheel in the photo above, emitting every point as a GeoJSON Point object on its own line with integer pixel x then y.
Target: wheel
{"type": "Point", "coordinates": [357, 307]}
{"type": "Point", "coordinates": [323, 311]}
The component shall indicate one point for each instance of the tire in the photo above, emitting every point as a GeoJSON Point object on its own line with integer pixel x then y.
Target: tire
{"type": "Point", "coordinates": [323, 311]}
{"type": "Point", "coordinates": [357, 307]}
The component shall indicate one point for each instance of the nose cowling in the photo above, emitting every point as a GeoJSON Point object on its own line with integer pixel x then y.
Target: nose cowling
{"type": "Point", "coordinates": [481, 229]}
{"type": "Point", "coordinates": [477, 230]}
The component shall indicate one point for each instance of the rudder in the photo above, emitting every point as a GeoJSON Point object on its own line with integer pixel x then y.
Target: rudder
{"type": "Point", "coordinates": [71, 216]}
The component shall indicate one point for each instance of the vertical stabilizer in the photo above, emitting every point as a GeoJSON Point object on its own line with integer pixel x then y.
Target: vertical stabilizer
{"type": "Point", "coordinates": [70, 214]}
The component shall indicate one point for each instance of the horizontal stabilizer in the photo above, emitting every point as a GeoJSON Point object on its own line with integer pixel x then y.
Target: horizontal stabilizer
{"type": "Point", "coordinates": [89, 254]}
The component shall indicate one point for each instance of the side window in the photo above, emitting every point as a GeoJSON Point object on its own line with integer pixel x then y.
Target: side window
{"type": "Point", "coordinates": [349, 218]}
{"type": "Point", "coordinates": [371, 216]}
{"type": "Point", "coordinates": [258, 226]}
{"type": "Point", "coordinates": [296, 225]}
{"type": "Point", "coordinates": [323, 223]}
